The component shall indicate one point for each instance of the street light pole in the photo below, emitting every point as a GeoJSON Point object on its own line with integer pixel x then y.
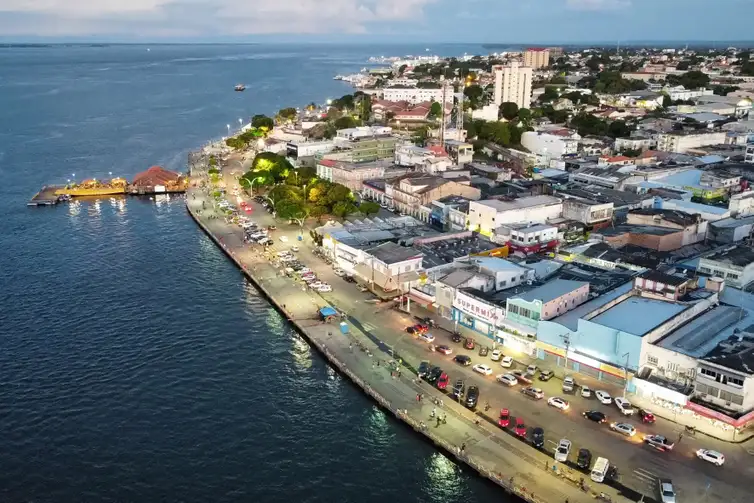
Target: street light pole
{"type": "Point", "coordinates": [625, 375]}
{"type": "Point", "coordinates": [567, 342]}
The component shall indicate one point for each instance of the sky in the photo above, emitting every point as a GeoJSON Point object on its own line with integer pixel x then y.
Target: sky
{"type": "Point", "coordinates": [475, 21]}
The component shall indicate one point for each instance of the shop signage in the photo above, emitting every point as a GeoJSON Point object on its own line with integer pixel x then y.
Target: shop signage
{"type": "Point", "coordinates": [476, 308]}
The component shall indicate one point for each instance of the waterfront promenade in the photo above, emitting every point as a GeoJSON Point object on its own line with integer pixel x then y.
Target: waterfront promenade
{"type": "Point", "coordinates": [465, 435]}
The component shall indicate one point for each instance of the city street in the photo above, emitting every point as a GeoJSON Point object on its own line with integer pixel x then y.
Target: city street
{"type": "Point", "coordinates": [639, 465]}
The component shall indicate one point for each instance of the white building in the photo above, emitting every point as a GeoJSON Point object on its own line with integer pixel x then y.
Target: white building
{"type": "Point", "coordinates": [749, 154]}
{"type": "Point", "coordinates": [681, 93]}
{"type": "Point", "coordinates": [486, 216]}
{"type": "Point", "coordinates": [390, 267]}
{"type": "Point", "coordinates": [550, 146]}
{"type": "Point", "coordinates": [513, 84]}
{"type": "Point", "coordinates": [362, 132]}
{"type": "Point", "coordinates": [309, 148]}
{"type": "Point", "coordinates": [634, 143]}
{"type": "Point", "coordinates": [682, 141]}
{"type": "Point", "coordinates": [416, 95]}
{"type": "Point", "coordinates": [586, 211]}
{"type": "Point", "coordinates": [735, 265]}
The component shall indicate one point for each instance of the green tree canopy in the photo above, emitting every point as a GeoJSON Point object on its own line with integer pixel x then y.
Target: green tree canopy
{"type": "Point", "coordinates": [276, 165]}
{"type": "Point", "coordinates": [262, 121]}
{"type": "Point", "coordinates": [690, 80]}
{"type": "Point", "coordinates": [509, 110]}
{"type": "Point", "coordinates": [292, 209]}
{"type": "Point", "coordinates": [369, 208]}
{"type": "Point", "coordinates": [318, 192]}
{"type": "Point", "coordinates": [345, 122]}
{"type": "Point", "coordinates": [343, 209]}
{"type": "Point", "coordinates": [550, 94]}
{"type": "Point", "coordinates": [288, 113]}
{"type": "Point", "coordinates": [338, 193]}
{"type": "Point", "coordinates": [618, 129]}
{"type": "Point", "coordinates": [588, 124]}
{"type": "Point", "coordinates": [435, 110]}
{"type": "Point", "coordinates": [474, 94]}
{"type": "Point", "coordinates": [498, 132]}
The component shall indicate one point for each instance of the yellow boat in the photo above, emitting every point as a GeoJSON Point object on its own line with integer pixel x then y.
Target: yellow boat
{"type": "Point", "coordinates": [94, 188]}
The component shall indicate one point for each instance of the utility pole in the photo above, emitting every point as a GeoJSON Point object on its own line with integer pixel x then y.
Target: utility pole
{"type": "Point", "coordinates": [567, 341]}
{"type": "Point", "coordinates": [625, 376]}
{"type": "Point", "coordinates": [442, 121]}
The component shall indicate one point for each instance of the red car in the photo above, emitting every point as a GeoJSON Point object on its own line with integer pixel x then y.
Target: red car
{"type": "Point", "coordinates": [446, 350]}
{"type": "Point", "coordinates": [520, 427]}
{"type": "Point", "coordinates": [646, 416]}
{"type": "Point", "coordinates": [505, 418]}
{"type": "Point", "coordinates": [420, 328]}
{"type": "Point", "coordinates": [442, 382]}
{"type": "Point", "coordinates": [469, 343]}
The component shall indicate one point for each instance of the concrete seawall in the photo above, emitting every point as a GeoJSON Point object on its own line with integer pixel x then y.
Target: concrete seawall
{"type": "Point", "coordinates": [508, 484]}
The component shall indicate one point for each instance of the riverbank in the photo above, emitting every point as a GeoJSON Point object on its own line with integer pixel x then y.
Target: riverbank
{"type": "Point", "coordinates": [482, 446]}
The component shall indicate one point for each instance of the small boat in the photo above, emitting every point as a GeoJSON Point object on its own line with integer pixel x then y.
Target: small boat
{"type": "Point", "coordinates": [240, 87]}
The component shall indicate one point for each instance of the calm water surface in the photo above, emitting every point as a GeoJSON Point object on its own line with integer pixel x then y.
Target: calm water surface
{"type": "Point", "coordinates": [136, 364]}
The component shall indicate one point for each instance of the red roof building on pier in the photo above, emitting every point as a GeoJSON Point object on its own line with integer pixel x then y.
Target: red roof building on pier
{"type": "Point", "coordinates": [156, 175]}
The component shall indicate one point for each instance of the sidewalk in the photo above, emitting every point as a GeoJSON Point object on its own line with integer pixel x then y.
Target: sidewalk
{"type": "Point", "coordinates": [487, 449]}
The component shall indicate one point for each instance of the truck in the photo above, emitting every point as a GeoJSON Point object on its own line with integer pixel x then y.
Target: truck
{"type": "Point", "coordinates": [667, 492]}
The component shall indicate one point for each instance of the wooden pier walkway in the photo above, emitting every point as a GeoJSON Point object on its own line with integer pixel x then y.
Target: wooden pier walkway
{"type": "Point", "coordinates": [46, 196]}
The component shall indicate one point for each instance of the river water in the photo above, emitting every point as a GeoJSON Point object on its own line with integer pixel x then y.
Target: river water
{"type": "Point", "coordinates": [136, 363]}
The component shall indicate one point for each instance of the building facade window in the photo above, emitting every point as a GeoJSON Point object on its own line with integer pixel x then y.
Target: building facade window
{"type": "Point", "coordinates": [652, 360]}
{"type": "Point", "coordinates": [711, 374]}
{"type": "Point", "coordinates": [731, 397]}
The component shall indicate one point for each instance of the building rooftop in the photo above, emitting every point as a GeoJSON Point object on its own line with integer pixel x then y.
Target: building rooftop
{"type": "Point", "coordinates": [391, 253]}
{"type": "Point", "coordinates": [638, 315]}
{"type": "Point", "coordinates": [636, 229]}
{"type": "Point", "coordinates": [458, 277]}
{"type": "Point", "coordinates": [552, 290]}
{"type": "Point", "coordinates": [740, 256]}
{"type": "Point", "coordinates": [520, 203]}
{"type": "Point", "coordinates": [661, 277]}
{"type": "Point", "coordinates": [677, 217]}
{"type": "Point", "coordinates": [731, 223]}
{"type": "Point", "coordinates": [570, 319]}
{"type": "Point", "coordinates": [497, 264]}
{"type": "Point", "coordinates": [447, 251]}
{"type": "Point", "coordinates": [702, 334]}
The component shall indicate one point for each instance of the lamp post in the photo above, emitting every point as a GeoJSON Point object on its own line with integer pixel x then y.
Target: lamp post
{"type": "Point", "coordinates": [567, 341]}
{"type": "Point", "coordinates": [240, 121]}
{"type": "Point", "coordinates": [625, 375]}
{"type": "Point", "coordinates": [228, 126]}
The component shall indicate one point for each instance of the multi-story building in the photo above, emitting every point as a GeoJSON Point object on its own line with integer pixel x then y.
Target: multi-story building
{"type": "Point", "coordinates": [390, 267]}
{"type": "Point", "coordinates": [351, 174]}
{"type": "Point", "coordinates": [415, 95]}
{"type": "Point", "coordinates": [513, 84]}
{"type": "Point", "coordinates": [410, 192]}
{"type": "Point", "coordinates": [526, 238]}
{"type": "Point", "coordinates": [486, 216]}
{"type": "Point", "coordinates": [537, 57]}
{"type": "Point", "coordinates": [361, 132]}
{"type": "Point", "coordinates": [682, 141]}
{"type": "Point", "coordinates": [550, 146]}
{"type": "Point", "coordinates": [309, 148]}
{"type": "Point", "coordinates": [635, 143]}
{"type": "Point", "coordinates": [587, 211]}
{"type": "Point", "coordinates": [460, 151]}
{"type": "Point", "coordinates": [735, 265]}
{"type": "Point", "coordinates": [372, 148]}
{"type": "Point", "coordinates": [749, 153]}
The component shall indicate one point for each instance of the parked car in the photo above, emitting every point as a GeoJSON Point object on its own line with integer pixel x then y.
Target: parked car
{"type": "Point", "coordinates": [483, 350]}
{"type": "Point", "coordinates": [472, 397]}
{"type": "Point", "coordinates": [531, 370]}
{"type": "Point", "coordinates": [568, 384]}
{"type": "Point", "coordinates": [348, 278]}
{"type": "Point", "coordinates": [421, 328]}
{"type": "Point", "coordinates": [505, 418]}
{"type": "Point", "coordinates": [522, 378]}
{"type": "Point", "coordinates": [586, 392]}
{"type": "Point", "coordinates": [534, 393]}
{"type": "Point", "coordinates": [456, 337]}
{"type": "Point", "coordinates": [496, 355]}
{"type": "Point", "coordinates": [506, 362]}
{"type": "Point", "coordinates": [423, 369]}
{"type": "Point", "coordinates": [284, 239]}
{"type": "Point", "coordinates": [295, 248]}
{"type": "Point", "coordinates": [469, 343]}
{"type": "Point", "coordinates": [538, 437]}
{"type": "Point", "coordinates": [507, 379]}
{"type": "Point", "coordinates": [714, 457]}
{"type": "Point", "coordinates": [624, 406]}
{"type": "Point", "coordinates": [558, 403]}
{"type": "Point", "coordinates": [563, 450]}
{"type": "Point", "coordinates": [463, 360]}
{"type": "Point", "coordinates": [339, 272]}
{"type": "Point", "coordinates": [433, 375]}
{"type": "Point", "coordinates": [442, 381]}
{"type": "Point", "coordinates": [584, 460]}
{"type": "Point", "coordinates": [324, 288]}
{"type": "Point", "coordinates": [362, 288]}
{"type": "Point", "coordinates": [604, 397]}
{"type": "Point", "coordinates": [482, 369]}
{"type": "Point", "coordinates": [520, 428]}
{"type": "Point", "coordinates": [624, 429]}
{"type": "Point", "coordinates": [458, 388]}
{"type": "Point", "coordinates": [595, 415]}
{"type": "Point", "coordinates": [446, 350]}
{"type": "Point", "coordinates": [546, 375]}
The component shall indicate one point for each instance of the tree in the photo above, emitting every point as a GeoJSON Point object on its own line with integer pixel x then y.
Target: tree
{"type": "Point", "coordinates": [588, 124]}
{"type": "Point", "coordinates": [618, 129]}
{"type": "Point", "coordinates": [343, 209]}
{"type": "Point", "coordinates": [338, 193]}
{"type": "Point", "coordinates": [497, 132]}
{"type": "Point", "coordinates": [287, 113]}
{"type": "Point", "coordinates": [420, 135]}
{"type": "Point", "coordinates": [435, 110]}
{"type": "Point", "coordinates": [276, 165]}
{"type": "Point", "coordinates": [369, 208]}
{"type": "Point", "coordinates": [690, 80]}
{"type": "Point", "coordinates": [402, 69]}
{"type": "Point", "coordinates": [292, 209]}
{"type": "Point", "coordinates": [317, 211]}
{"type": "Point", "coordinates": [345, 122]}
{"type": "Point", "coordinates": [262, 121]}
{"type": "Point", "coordinates": [509, 110]}
{"type": "Point", "coordinates": [550, 94]}
{"type": "Point", "coordinates": [683, 65]}
{"type": "Point", "coordinates": [474, 95]}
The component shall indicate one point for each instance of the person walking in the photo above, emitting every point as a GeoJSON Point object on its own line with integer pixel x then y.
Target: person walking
{"type": "Point", "coordinates": [463, 447]}
{"type": "Point", "coordinates": [434, 412]}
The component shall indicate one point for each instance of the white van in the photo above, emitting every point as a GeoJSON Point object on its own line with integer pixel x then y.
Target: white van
{"type": "Point", "coordinates": [599, 470]}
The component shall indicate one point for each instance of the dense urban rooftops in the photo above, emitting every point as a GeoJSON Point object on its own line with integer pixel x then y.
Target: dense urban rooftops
{"type": "Point", "coordinates": [638, 315]}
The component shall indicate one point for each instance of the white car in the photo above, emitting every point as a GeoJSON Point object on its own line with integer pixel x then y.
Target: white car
{"type": "Point", "coordinates": [506, 362]}
{"type": "Point", "coordinates": [294, 248]}
{"type": "Point", "coordinates": [531, 370]}
{"type": "Point", "coordinates": [604, 397]}
{"type": "Point", "coordinates": [340, 272]}
{"type": "Point", "coordinates": [482, 369]}
{"type": "Point", "coordinates": [496, 355]}
{"type": "Point", "coordinates": [623, 428]}
{"type": "Point", "coordinates": [315, 284]}
{"type": "Point", "coordinates": [586, 392]}
{"type": "Point", "coordinates": [714, 457]}
{"type": "Point", "coordinates": [624, 406]}
{"type": "Point", "coordinates": [427, 337]}
{"type": "Point", "coordinates": [558, 403]}
{"type": "Point", "coordinates": [284, 239]}
{"type": "Point", "coordinates": [507, 379]}
{"type": "Point", "coordinates": [324, 287]}
{"type": "Point", "coordinates": [563, 450]}
{"type": "Point", "coordinates": [305, 270]}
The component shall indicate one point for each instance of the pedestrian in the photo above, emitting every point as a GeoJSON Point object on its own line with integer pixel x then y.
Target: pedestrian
{"type": "Point", "coordinates": [399, 373]}
{"type": "Point", "coordinates": [418, 397]}
{"type": "Point", "coordinates": [378, 363]}
{"type": "Point", "coordinates": [486, 406]}
{"type": "Point", "coordinates": [350, 347]}
{"type": "Point", "coordinates": [444, 419]}
{"type": "Point", "coordinates": [439, 421]}
{"type": "Point", "coordinates": [463, 447]}
{"type": "Point", "coordinates": [434, 412]}
{"type": "Point", "coordinates": [680, 437]}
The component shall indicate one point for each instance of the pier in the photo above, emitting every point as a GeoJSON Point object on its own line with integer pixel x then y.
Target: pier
{"type": "Point", "coordinates": [46, 196]}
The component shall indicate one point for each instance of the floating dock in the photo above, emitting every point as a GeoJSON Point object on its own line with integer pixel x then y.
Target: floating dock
{"type": "Point", "coordinates": [46, 196]}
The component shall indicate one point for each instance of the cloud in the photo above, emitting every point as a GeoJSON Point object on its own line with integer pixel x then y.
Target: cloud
{"type": "Point", "coordinates": [597, 5]}
{"type": "Point", "coordinates": [145, 18]}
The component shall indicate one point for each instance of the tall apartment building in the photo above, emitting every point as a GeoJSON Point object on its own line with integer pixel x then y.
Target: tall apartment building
{"type": "Point", "coordinates": [513, 83]}
{"type": "Point", "coordinates": [537, 57]}
{"type": "Point", "coordinates": [681, 141]}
